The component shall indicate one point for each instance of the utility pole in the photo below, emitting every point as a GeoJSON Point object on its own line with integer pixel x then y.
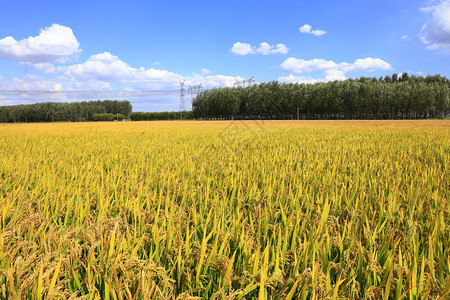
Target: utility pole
{"type": "Point", "coordinates": [182, 106]}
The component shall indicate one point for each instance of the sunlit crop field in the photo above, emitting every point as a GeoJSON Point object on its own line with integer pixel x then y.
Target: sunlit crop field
{"type": "Point", "coordinates": [225, 210]}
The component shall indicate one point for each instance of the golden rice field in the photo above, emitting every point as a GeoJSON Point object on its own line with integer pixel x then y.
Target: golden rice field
{"type": "Point", "coordinates": [225, 210]}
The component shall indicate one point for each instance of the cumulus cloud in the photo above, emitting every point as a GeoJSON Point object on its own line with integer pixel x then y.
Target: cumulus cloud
{"type": "Point", "coordinates": [241, 48]}
{"type": "Point", "coordinates": [332, 75]}
{"type": "Point", "coordinates": [308, 29]}
{"type": "Point", "coordinates": [24, 91]}
{"type": "Point", "coordinates": [264, 49]}
{"type": "Point", "coordinates": [436, 32]}
{"type": "Point", "coordinates": [109, 68]}
{"type": "Point", "coordinates": [213, 80]}
{"type": "Point", "coordinates": [329, 75]}
{"type": "Point", "coordinates": [331, 70]}
{"type": "Point", "coordinates": [366, 64]}
{"type": "Point", "coordinates": [48, 68]}
{"type": "Point", "coordinates": [295, 65]}
{"type": "Point", "coordinates": [56, 43]}
{"type": "Point", "coordinates": [19, 84]}
{"type": "Point", "coordinates": [298, 79]}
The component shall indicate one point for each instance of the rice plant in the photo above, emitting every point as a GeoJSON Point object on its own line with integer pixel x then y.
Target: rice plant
{"type": "Point", "coordinates": [225, 210]}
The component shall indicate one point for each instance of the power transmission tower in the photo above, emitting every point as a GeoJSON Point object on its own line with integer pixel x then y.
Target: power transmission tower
{"type": "Point", "coordinates": [195, 90]}
{"type": "Point", "coordinates": [182, 106]}
{"type": "Point", "coordinates": [244, 81]}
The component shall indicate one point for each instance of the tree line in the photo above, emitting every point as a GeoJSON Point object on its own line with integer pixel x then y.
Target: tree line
{"type": "Point", "coordinates": [390, 97]}
{"type": "Point", "coordinates": [57, 111]}
{"type": "Point", "coordinates": [107, 117]}
{"type": "Point", "coordinates": [165, 115]}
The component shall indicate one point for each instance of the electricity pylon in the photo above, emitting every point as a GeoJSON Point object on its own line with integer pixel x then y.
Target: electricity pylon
{"type": "Point", "coordinates": [195, 90]}
{"type": "Point", "coordinates": [182, 106]}
{"type": "Point", "coordinates": [244, 81]}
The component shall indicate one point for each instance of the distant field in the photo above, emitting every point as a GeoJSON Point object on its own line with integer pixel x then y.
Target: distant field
{"type": "Point", "coordinates": [225, 210]}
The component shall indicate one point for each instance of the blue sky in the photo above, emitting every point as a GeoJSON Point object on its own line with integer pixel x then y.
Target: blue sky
{"type": "Point", "coordinates": [81, 50]}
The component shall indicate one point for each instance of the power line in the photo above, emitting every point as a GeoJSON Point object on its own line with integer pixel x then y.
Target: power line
{"type": "Point", "coordinates": [89, 92]}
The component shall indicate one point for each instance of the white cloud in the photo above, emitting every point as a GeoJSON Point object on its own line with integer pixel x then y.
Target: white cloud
{"type": "Point", "coordinates": [264, 49]}
{"type": "Point", "coordinates": [213, 80]}
{"type": "Point", "coordinates": [308, 29]}
{"type": "Point", "coordinates": [436, 33]}
{"type": "Point", "coordinates": [205, 71]}
{"type": "Point", "coordinates": [18, 84]}
{"type": "Point", "coordinates": [109, 68]}
{"type": "Point", "coordinates": [366, 64]}
{"type": "Point", "coordinates": [28, 91]}
{"type": "Point", "coordinates": [56, 43]}
{"type": "Point", "coordinates": [295, 65]}
{"type": "Point", "coordinates": [330, 75]}
{"type": "Point", "coordinates": [241, 48]}
{"type": "Point", "coordinates": [331, 70]}
{"type": "Point", "coordinates": [297, 79]}
{"type": "Point", "coordinates": [405, 37]}
{"type": "Point", "coordinates": [48, 68]}
{"type": "Point", "coordinates": [156, 63]}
